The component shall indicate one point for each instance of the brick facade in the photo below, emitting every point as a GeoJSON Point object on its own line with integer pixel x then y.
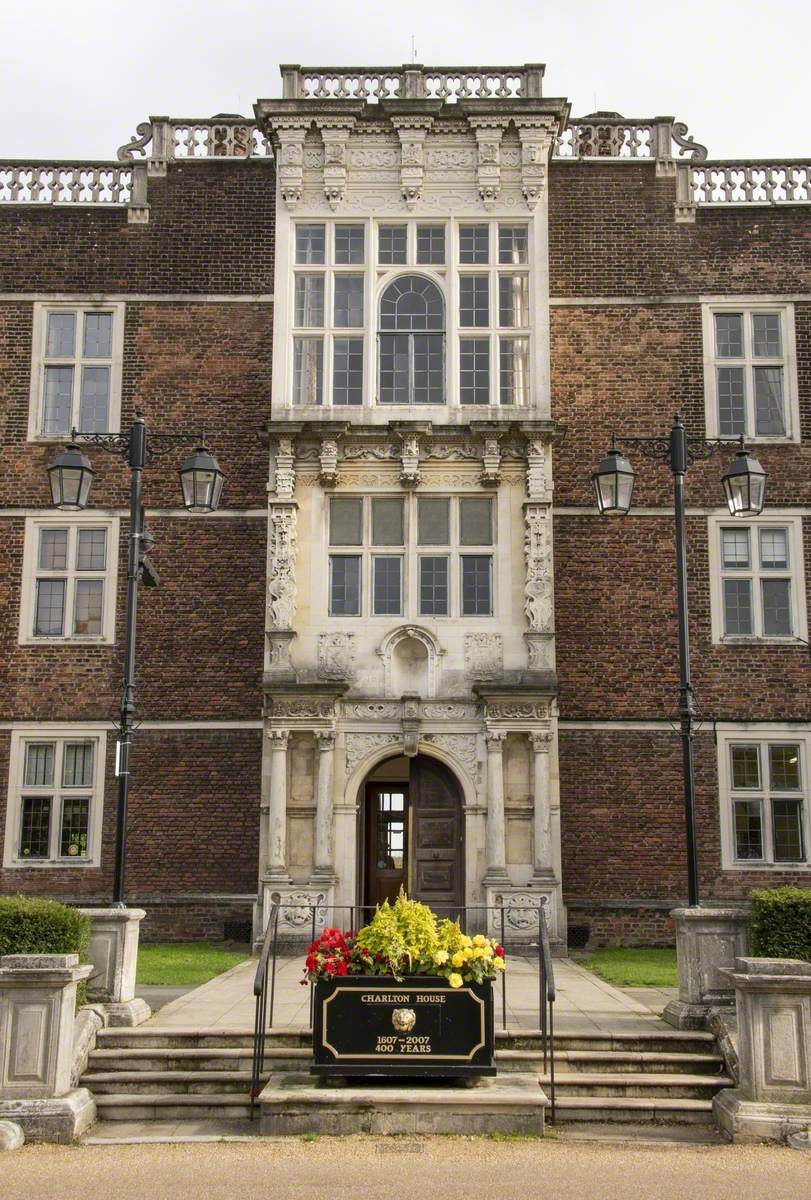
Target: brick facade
{"type": "Point", "coordinates": [626, 282]}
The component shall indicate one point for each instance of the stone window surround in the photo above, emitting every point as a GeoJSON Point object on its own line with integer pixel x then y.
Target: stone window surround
{"type": "Point", "coordinates": [377, 277]}
{"type": "Point", "coordinates": [21, 735]}
{"type": "Point", "coordinates": [410, 554]}
{"type": "Point", "coordinates": [41, 309]}
{"type": "Point", "coordinates": [791, 402]}
{"type": "Point", "coordinates": [53, 520]}
{"type": "Point", "coordinates": [749, 733]}
{"type": "Point", "coordinates": [775, 519]}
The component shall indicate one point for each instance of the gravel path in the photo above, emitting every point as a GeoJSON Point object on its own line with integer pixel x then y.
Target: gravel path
{"type": "Point", "coordinates": [372, 1168]}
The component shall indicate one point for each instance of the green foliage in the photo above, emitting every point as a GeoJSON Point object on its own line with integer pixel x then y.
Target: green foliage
{"type": "Point", "coordinates": [183, 963]}
{"type": "Point", "coordinates": [645, 967]}
{"type": "Point", "coordinates": [781, 923]}
{"type": "Point", "coordinates": [400, 938]}
{"type": "Point", "coordinates": [32, 926]}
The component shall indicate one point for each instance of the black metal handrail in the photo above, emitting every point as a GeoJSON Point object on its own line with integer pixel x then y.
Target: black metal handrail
{"type": "Point", "coordinates": [546, 1005]}
{"type": "Point", "coordinates": [266, 973]}
{"type": "Point", "coordinates": [260, 990]}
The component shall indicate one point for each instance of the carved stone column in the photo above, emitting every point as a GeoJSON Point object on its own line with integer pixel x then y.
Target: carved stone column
{"type": "Point", "coordinates": [324, 858]}
{"type": "Point", "coordinates": [496, 839]}
{"type": "Point", "coordinates": [543, 865]}
{"type": "Point", "coordinates": [277, 806]}
{"type": "Point", "coordinates": [281, 573]}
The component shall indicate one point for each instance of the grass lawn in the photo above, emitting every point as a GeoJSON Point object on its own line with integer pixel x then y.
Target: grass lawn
{"type": "Point", "coordinates": [649, 967]}
{"type": "Point", "coordinates": [184, 962]}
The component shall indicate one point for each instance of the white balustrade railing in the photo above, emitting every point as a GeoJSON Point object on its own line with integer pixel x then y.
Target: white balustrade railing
{"type": "Point", "coordinates": [607, 140]}
{"type": "Point", "coordinates": [65, 183]}
{"type": "Point", "coordinates": [748, 182]}
{"type": "Point", "coordinates": [411, 81]}
{"type": "Point", "coordinates": [212, 139]}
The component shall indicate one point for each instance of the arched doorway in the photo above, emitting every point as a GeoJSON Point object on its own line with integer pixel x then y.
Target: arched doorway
{"type": "Point", "coordinates": [414, 834]}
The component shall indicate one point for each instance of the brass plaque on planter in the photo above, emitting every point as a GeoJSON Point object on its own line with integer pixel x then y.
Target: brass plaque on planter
{"type": "Point", "coordinates": [418, 1025]}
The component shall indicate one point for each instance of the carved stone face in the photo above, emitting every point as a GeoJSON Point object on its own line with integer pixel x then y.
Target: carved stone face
{"type": "Point", "coordinates": [404, 1019]}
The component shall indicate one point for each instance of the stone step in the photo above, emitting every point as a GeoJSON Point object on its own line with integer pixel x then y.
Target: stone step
{"type": "Point", "coordinates": [656, 1040]}
{"type": "Point", "coordinates": [155, 1037]}
{"type": "Point", "coordinates": [612, 1061]}
{"type": "Point", "coordinates": [632, 1110]}
{"type": "Point", "coordinates": [600, 1084]}
{"type": "Point", "coordinates": [211, 1058]}
{"type": "Point", "coordinates": [152, 1106]}
{"type": "Point", "coordinates": [138, 1083]}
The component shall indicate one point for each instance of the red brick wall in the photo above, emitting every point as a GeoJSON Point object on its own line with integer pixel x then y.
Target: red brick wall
{"type": "Point", "coordinates": [193, 821]}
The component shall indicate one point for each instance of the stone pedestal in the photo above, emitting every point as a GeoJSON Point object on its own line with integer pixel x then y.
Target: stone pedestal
{"type": "Point", "coordinates": [773, 1096]}
{"type": "Point", "coordinates": [708, 940]}
{"type": "Point", "coordinates": [114, 956]}
{"type": "Point", "coordinates": [37, 1011]}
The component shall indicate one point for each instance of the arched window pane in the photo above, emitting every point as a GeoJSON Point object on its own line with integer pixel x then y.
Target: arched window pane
{"type": "Point", "coordinates": [412, 303]}
{"type": "Point", "coordinates": [412, 348]}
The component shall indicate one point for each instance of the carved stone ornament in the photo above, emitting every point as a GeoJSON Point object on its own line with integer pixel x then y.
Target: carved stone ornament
{"type": "Point", "coordinates": [296, 910]}
{"type": "Point", "coordinates": [515, 710]}
{"type": "Point", "coordinates": [370, 710]}
{"type": "Point", "coordinates": [335, 135]}
{"type": "Point", "coordinates": [360, 746]}
{"type": "Point", "coordinates": [541, 740]}
{"type": "Point", "coordinates": [306, 708]}
{"type": "Point", "coordinates": [488, 167]}
{"type": "Point", "coordinates": [484, 656]}
{"type": "Point", "coordinates": [536, 469]}
{"type": "Point", "coordinates": [410, 461]}
{"type": "Point", "coordinates": [491, 462]}
{"type": "Point", "coordinates": [521, 910]}
{"type": "Point", "coordinates": [538, 651]}
{"type": "Point", "coordinates": [285, 477]}
{"type": "Point", "coordinates": [412, 134]}
{"type": "Point", "coordinates": [538, 598]}
{"type": "Point", "coordinates": [335, 655]}
{"type": "Point", "coordinates": [279, 652]}
{"type": "Point", "coordinates": [328, 458]}
{"type": "Point", "coordinates": [535, 146]}
{"type": "Point", "coordinates": [282, 538]}
{"type": "Point", "coordinates": [290, 160]}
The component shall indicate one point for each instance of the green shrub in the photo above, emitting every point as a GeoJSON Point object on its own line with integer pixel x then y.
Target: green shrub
{"type": "Point", "coordinates": [781, 923]}
{"type": "Point", "coordinates": [32, 926]}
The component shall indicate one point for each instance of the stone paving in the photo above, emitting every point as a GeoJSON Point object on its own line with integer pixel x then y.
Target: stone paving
{"type": "Point", "coordinates": [584, 1003]}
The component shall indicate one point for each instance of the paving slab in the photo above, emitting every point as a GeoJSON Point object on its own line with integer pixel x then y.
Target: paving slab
{"type": "Point", "coordinates": [584, 1004]}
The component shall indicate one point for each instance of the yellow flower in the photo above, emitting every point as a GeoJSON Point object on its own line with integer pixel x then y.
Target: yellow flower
{"type": "Point", "coordinates": [466, 941]}
{"type": "Point", "coordinates": [458, 961]}
{"type": "Point", "coordinates": [499, 964]}
{"type": "Point", "coordinates": [441, 957]}
{"type": "Point", "coordinates": [478, 952]}
{"type": "Point", "coordinates": [455, 980]}
{"type": "Point", "coordinates": [487, 951]}
{"type": "Point", "coordinates": [479, 939]}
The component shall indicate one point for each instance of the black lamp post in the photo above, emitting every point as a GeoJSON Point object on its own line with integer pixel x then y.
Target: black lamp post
{"type": "Point", "coordinates": [744, 485]}
{"type": "Point", "coordinates": [70, 477]}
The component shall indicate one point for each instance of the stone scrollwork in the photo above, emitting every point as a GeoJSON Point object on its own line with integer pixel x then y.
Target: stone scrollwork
{"type": "Point", "coordinates": [141, 139]}
{"type": "Point", "coordinates": [282, 537]}
{"type": "Point", "coordinates": [461, 746]}
{"type": "Point", "coordinates": [694, 149]}
{"type": "Point", "coordinates": [371, 710]}
{"type": "Point", "coordinates": [538, 597]}
{"type": "Point", "coordinates": [335, 655]}
{"type": "Point", "coordinates": [296, 909]}
{"type": "Point", "coordinates": [360, 746]}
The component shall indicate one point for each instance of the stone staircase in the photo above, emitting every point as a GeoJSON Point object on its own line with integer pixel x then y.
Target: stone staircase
{"type": "Point", "coordinates": [664, 1076]}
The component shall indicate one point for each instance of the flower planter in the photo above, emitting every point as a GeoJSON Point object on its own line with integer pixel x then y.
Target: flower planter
{"type": "Point", "coordinates": [418, 1026]}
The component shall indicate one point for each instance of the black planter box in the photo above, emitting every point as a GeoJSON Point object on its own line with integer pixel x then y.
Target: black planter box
{"type": "Point", "coordinates": [419, 1025]}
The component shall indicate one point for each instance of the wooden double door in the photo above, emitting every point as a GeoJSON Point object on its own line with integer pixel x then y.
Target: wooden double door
{"type": "Point", "coordinates": [414, 838]}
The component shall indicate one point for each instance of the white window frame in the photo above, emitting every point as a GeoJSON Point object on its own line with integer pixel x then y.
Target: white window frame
{"type": "Point", "coordinates": [410, 554]}
{"type": "Point", "coordinates": [73, 522]}
{"type": "Point", "coordinates": [377, 277]}
{"type": "Point", "coordinates": [796, 571]}
{"type": "Point", "coordinates": [58, 734]}
{"type": "Point", "coordinates": [791, 399]}
{"type": "Point", "coordinates": [729, 734]}
{"type": "Point", "coordinates": [38, 346]}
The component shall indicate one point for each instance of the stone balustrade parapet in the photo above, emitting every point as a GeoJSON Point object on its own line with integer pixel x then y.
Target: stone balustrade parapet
{"type": "Point", "coordinates": [30, 181]}
{"type": "Point", "coordinates": [412, 81]}
{"type": "Point", "coordinates": [745, 181]}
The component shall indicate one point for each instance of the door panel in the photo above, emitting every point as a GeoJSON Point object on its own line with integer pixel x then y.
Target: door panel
{"type": "Point", "coordinates": [386, 841]}
{"type": "Point", "coordinates": [437, 867]}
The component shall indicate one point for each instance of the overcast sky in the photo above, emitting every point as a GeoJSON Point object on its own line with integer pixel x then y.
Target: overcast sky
{"type": "Point", "coordinates": [76, 76]}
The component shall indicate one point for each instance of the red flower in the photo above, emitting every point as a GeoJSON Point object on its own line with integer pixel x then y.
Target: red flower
{"type": "Point", "coordinates": [499, 951]}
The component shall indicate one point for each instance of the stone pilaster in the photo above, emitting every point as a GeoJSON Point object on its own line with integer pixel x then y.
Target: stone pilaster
{"type": "Point", "coordinates": [277, 807]}
{"type": "Point", "coordinates": [543, 863]}
{"type": "Point", "coordinates": [496, 841]}
{"type": "Point", "coordinates": [324, 833]}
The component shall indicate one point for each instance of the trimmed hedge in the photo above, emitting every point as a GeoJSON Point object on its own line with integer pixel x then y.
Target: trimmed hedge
{"type": "Point", "coordinates": [781, 923]}
{"type": "Point", "coordinates": [32, 926]}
